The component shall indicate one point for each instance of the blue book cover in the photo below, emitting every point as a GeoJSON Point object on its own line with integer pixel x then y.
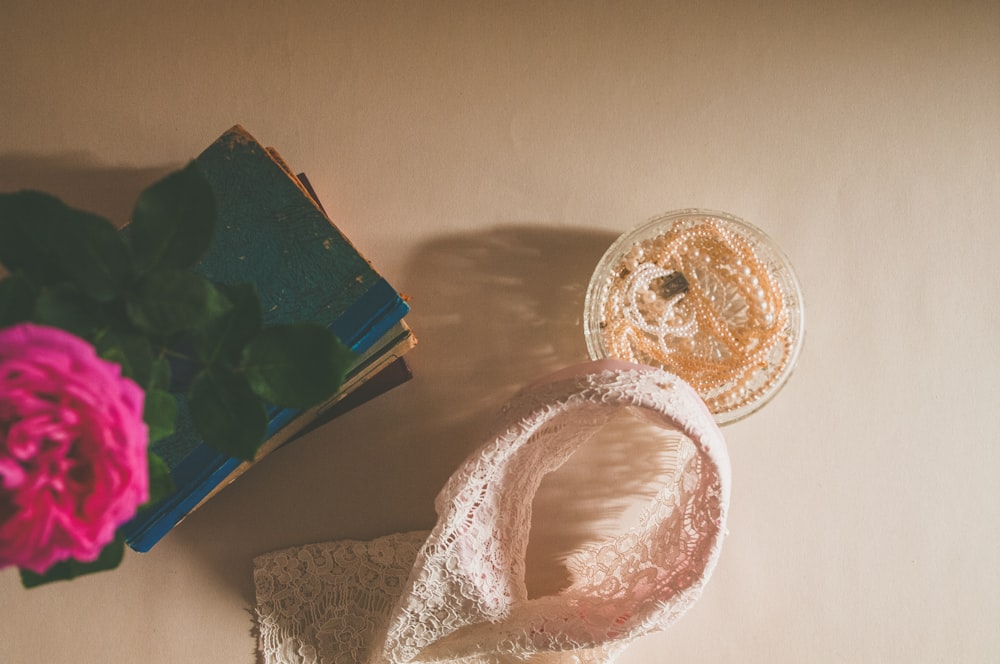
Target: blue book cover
{"type": "Point", "coordinates": [272, 232]}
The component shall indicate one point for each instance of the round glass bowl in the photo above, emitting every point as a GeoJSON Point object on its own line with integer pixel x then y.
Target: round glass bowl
{"type": "Point", "coordinates": [705, 296]}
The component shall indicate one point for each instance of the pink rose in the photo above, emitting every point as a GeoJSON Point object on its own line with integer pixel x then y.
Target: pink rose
{"type": "Point", "coordinates": [73, 461]}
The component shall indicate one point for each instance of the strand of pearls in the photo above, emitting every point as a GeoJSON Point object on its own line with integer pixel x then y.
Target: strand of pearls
{"type": "Point", "coordinates": [725, 334]}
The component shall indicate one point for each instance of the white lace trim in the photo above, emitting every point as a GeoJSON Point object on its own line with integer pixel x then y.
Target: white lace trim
{"type": "Point", "coordinates": [457, 594]}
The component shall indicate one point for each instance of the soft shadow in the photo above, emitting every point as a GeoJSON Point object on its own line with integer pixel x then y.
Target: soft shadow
{"type": "Point", "coordinates": [494, 310]}
{"type": "Point", "coordinates": [110, 191]}
{"type": "Point", "coordinates": [599, 492]}
{"type": "Point", "coordinates": [507, 309]}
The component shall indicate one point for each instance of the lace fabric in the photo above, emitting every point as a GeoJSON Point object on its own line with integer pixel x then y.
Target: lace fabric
{"type": "Point", "coordinates": [457, 593]}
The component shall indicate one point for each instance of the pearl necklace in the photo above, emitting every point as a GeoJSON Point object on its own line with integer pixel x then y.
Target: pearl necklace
{"type": "Point", "coordinates": [699, 302]}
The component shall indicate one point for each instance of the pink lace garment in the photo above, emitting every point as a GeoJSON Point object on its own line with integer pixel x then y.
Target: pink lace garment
{"type": "Point", "coordinates": [457, 593]}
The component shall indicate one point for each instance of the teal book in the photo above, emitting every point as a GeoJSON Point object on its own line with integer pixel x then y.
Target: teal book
{"type": "Point", "coordinates": [272, 232]}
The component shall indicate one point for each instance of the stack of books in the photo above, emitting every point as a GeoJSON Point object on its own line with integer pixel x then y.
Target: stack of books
{"type": "Point", "coordinates": [273, 232]}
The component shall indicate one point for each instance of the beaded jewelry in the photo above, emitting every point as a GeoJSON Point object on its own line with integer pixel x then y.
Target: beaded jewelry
{"type": "Point", "coordinates": [698, 300]}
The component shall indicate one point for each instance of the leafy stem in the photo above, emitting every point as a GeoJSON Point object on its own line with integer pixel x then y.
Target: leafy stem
{"type": "Point", "coordinates": [137, 296]}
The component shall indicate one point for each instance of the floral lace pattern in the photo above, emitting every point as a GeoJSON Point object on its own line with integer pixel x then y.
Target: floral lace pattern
{"type": "Point", "coordinates": [325, 602]}
{"type": "Point", "coordinates": [457, 594]}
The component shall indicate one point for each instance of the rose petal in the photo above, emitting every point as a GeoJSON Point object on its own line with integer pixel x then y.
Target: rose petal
{"type": "Point", "coordinates": [73, 443]}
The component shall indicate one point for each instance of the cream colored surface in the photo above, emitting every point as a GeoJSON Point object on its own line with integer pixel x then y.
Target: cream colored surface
{"type": "Point", "coordinates": [484, 157]}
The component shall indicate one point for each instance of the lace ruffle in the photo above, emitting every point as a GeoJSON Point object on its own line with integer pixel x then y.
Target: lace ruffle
{"type": "Point", "coordinates": [457, 594]}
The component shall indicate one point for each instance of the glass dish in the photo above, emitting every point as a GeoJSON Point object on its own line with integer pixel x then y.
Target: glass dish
{"type": "Point", "coordinates": [706, 296]}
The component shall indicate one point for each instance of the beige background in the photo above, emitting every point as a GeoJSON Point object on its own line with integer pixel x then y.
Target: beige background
{"type": "Point", "coordinates": [484, 155]}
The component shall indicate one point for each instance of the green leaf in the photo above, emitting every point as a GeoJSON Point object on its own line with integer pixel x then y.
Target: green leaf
{"type": "Point", "coordinates": [84, 247]}
{"type": "Point", "coordinates": [173, 220]}
{"type": "Point", "coordinates": [297, 366]}
{"type": "Point", "coordinates": [227, 413]}
{"type": "Point", "coordinates": [17, 299]}
{"type": "Point", "coordinates": [223, 340]}
{"type": "Point", "coordinates": [161, 484]}
{"type": "Point", "coordinates": [109, 558]}
{"type": "Point", "coordinates": [131, 351]}
{"type": "Point", "coordinates": [65, 307]}
{"type": "Point", "coordinates": [160, 414]}
{"type": "Point", "coordinates": [159, 375]}
{"type": "Point", "coordinates": [19, 213]}
{"type": "Point", "coordinates": [175, 300]}
{"type": "Point", "coordinates": [92, 252]}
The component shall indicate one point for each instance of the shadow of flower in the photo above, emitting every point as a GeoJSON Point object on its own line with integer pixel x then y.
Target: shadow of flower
{"type": "Point", "coordinates": [109, 191]}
